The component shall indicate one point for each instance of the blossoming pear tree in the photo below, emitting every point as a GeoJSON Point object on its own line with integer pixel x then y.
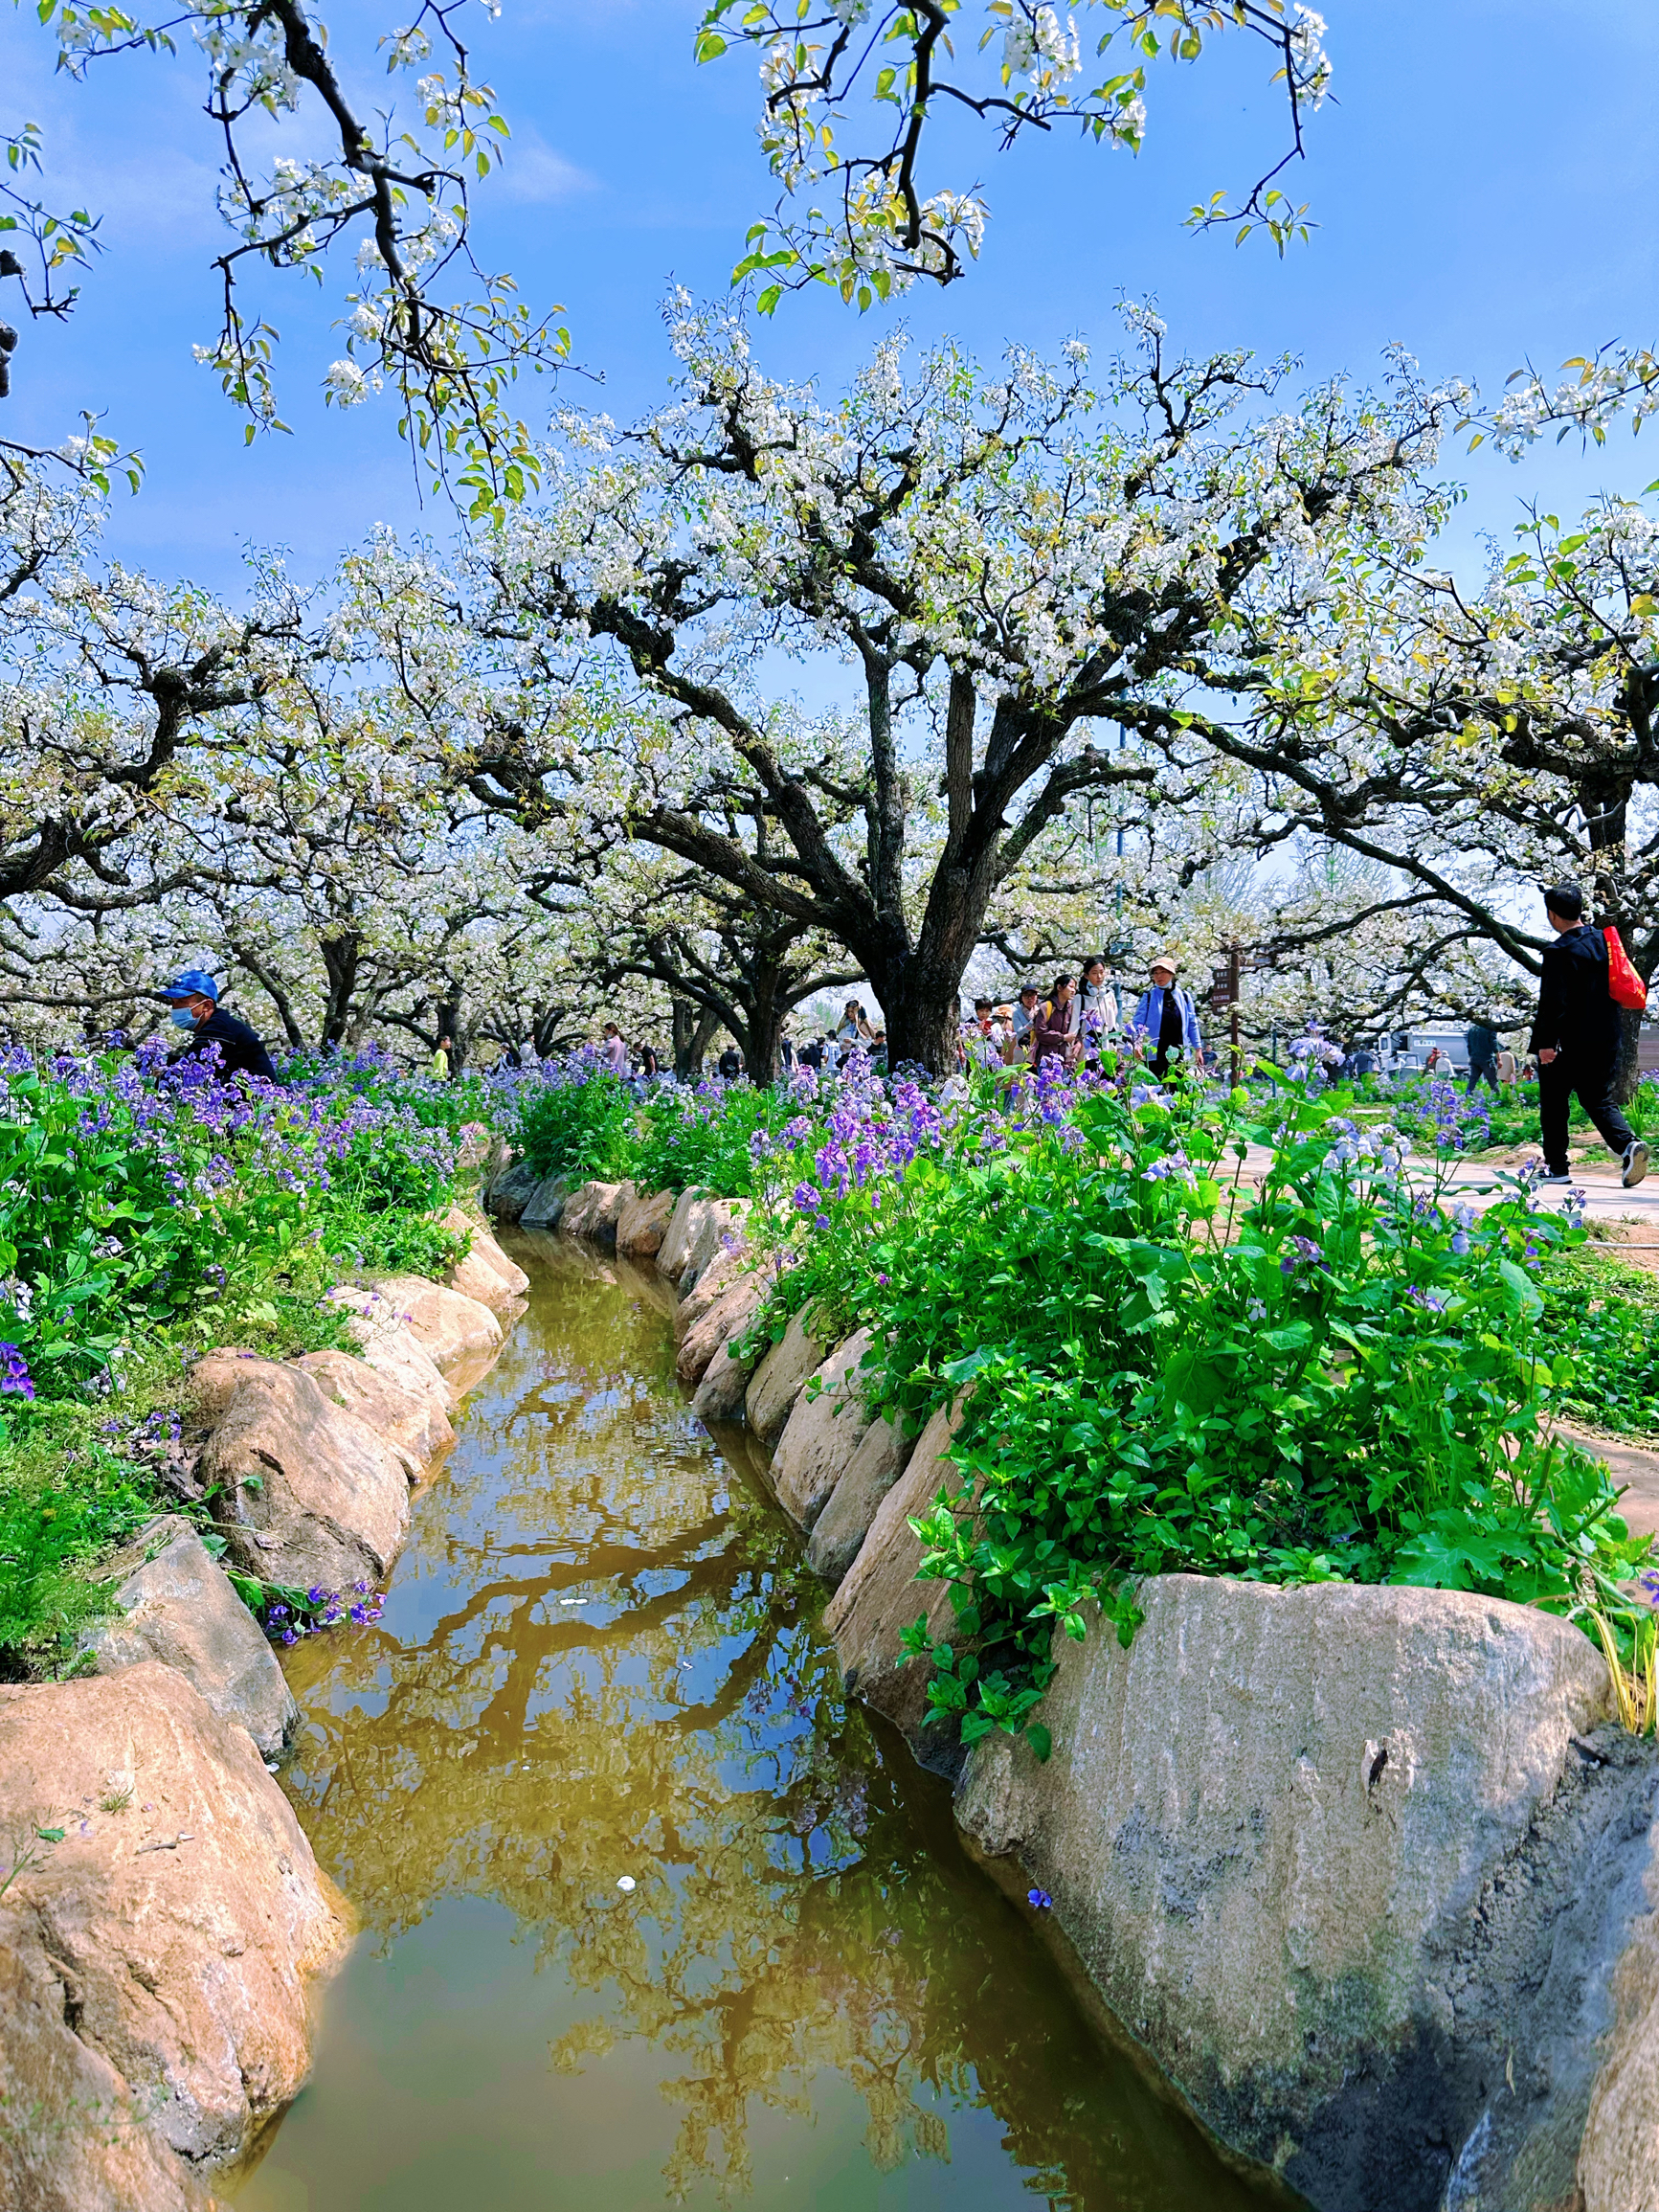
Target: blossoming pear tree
{"type": "Point", "coordinates": [114, 687]}
{"type": "Point", "coordinates": [1480, 743]}
{"type": "Point", "coordinates": [1009, 563]}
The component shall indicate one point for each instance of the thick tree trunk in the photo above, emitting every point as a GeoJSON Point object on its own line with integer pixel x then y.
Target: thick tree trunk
{"type": "Point", "coordinates": [693, 1034]}
{"type": "Point", "coordinates": [923, 1016]}
{"type": "Point", "coordinates": [340, 957]}
{"type": "Point", "coordinates": [764, 997]}
{"type": "Point", "coordinates": [452, 1024]}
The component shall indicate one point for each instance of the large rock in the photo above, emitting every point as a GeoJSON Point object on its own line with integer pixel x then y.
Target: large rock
{"type": "Point", "coordinates": [718, 1232]}
{"type": "Point", "coordinates": [485, 1273]}
{"type": "Point", "coordinates": [592, 1211]}
{"type": "Point", "coordinates": [643, 1221]}
{"type": "Point", "coordinates": [689, 1210]}
{"type": "Point", "coordinates": [724, 1383]}
{"type": "Point", "coordinates": [309, 1495]}
{"type": "Point", "coordinates": [546, 1204]}
{"type": "Point", "coordinates": [81, 2143]}
{"type": "Point", "coordinates": [389, 1346]}
{"type": "Point", "coordinates": [881, 1598]}
{"type": "Point", "coordinates": [155, 1962]}
{"type": "Point", "coordinates": [838, 1534]}
{"type": "Point", "coordinates": [453, 1330]}
{"type": "Point", "coordinates": [1619, 2156]}
{"type": "Point", "coordinates": [716, 1279]}
{"type": "Point", "coordinates": [176, 1605]}
{"type": "Point", "coordinates": [780, 1379]}
{"type": "Point", "coordinates": [511, 1190]}
{"type": "Point", "coordinates": [824, 1431]}
{"type": "Point", "coordinates": [729, 1316]}
{"type": "Point", "coordinates": [1348, 1861]}
{"type": "Point", "coordinates": [416, 1420]}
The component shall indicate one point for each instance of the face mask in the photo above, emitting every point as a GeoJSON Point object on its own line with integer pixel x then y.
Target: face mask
{"type": "Point", "coordinates": [185, 1019]}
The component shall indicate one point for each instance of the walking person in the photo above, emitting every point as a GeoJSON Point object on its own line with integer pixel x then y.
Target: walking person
{"type": "Point", "coordinates": [1097, 1001]}
{"type": "Point", "coordinates": [1167, 1018]}
{"type": "Point", "coordinates": [1026, 1008]}
{"type": "Point", "coordinates": [615, 1050]}
{"type": "Point", "coordinates": [985, 1038]}
{"type": "Point", "coordinates": [1575, 1037]}
{"type": "Point", "coordinates": [1481, 1041]}
{"type": "Point", "coordinates": [194, 999]}
{"type": "Point", "coordinates": [1057, 1032]}
{"type": "Point", "coordinates": [437, 1066]}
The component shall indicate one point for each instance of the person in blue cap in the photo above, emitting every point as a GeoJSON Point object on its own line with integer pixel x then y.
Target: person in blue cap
{"type": "Point", "coordinates": [194, 999]}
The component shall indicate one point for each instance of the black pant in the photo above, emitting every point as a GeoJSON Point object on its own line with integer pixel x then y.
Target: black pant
{"type": "Point", "coordinates": [1593, 1082]}
{"type": "Point", "coordinates": [1481, 1072]}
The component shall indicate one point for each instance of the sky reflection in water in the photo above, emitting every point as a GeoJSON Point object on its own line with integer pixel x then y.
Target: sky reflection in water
{"type": "Point", "coordinates": [602, 1658]}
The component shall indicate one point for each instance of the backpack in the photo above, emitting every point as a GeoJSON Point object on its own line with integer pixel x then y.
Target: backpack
{"type": "Point", "coordinates": [1624, 985]}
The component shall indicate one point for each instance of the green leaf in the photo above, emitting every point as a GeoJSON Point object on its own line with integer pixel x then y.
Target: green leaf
{"type": "Point", "coordinates": [1520, 1293]}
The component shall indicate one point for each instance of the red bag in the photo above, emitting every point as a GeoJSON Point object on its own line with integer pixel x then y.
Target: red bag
{"type": "Point", "coordinates": [1624, 983]}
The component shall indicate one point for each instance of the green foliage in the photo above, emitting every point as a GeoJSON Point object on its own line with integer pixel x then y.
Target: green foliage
{"type": "Point", "coordinates": [583, 1130]}
{"type": "Point", "coordinates": [707, 1140]}
{"type": "Point", "coordinates": [1337, 1374]}
{"type": "Point", "coordinates": [147, 1214]}
{"type": "Point", "coordinates": [1607, 1311]}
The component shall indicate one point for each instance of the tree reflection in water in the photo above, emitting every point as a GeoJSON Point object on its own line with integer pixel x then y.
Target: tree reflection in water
{"type": "Point", "coordinates": [800, 1903]}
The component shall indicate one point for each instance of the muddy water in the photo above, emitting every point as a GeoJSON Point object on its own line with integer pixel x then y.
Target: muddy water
{"type": "Point", "coordinates": [600, 1663]}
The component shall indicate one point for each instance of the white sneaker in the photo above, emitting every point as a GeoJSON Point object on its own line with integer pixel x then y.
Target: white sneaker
{"type": "Point", "coordinates": [1635, 1165]}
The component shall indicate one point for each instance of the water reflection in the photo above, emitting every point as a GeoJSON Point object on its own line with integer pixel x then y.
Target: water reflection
{"type": "Point", "coordinates": [601, 1663]}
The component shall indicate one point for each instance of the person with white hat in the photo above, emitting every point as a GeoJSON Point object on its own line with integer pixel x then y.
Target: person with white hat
{"type": "Point", "coordinates": [1167, 1018]}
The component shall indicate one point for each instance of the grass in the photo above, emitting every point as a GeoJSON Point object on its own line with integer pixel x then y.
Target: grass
{"type": "Point", "coordinates": [1605, 1312]}
{"type": "Point", "coordinates": [80, 1477]}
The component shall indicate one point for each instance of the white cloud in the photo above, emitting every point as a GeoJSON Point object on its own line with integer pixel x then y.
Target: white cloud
{"type": "Point", "coordinates": [533, 174]}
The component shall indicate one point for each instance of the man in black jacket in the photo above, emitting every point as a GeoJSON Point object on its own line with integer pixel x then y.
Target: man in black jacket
{"type": "Point", "coordinates": [194, 999]}
{"type": "Point", "coordinates": [1575, 1037]}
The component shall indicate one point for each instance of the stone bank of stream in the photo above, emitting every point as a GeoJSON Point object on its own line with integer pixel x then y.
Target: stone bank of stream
{"type": "Point", "coordinates": [601, 1660]}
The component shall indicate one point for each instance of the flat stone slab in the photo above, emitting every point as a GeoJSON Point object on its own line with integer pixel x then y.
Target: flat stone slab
{"type": "Point", "coordinates": [1345, 1859]}
{"type": "Point", "coordinates": [779, 1380]}
{"type": "Point", "coordinates": [545, 1205]}
{"type": "Point", "coordinates": [684, 1223]}
{"type": "Point", "coordinates": [880, 1458]}
{"type": "Point", "coordinates": [824, 1429]}
{"type": "Point", "coordinates": [728, 1317]}
{"type": "Point", "coordinates": [415, 1421]}
{"type": "Point", "coordinates": [643, 1221]}
{"type": "Point", "coordinates": [453, 1330]}
{"type": "Point", "coordinates": [485, 1273]}
{"type": "Point", "coordinates": [511, 1190]}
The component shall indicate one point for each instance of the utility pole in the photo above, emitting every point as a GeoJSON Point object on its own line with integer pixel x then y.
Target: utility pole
{"type": "Point", "coordinates": [1234, 979]}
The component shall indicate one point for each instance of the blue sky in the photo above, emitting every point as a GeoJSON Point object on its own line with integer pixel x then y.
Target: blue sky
{"type": "Point", "coordinates": [1484, 187]}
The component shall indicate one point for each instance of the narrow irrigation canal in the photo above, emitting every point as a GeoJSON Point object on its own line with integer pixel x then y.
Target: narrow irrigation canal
{"type": "Point", "coordinates": [650, 1914]}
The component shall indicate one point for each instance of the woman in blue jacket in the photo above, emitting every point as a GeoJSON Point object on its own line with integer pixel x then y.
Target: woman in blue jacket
{"type": "Point", "coordinates": [1168, 1018]}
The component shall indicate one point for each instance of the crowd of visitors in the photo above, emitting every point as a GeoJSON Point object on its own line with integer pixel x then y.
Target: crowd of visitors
{"type": "Point", "coordinates": [1078, 1014]}
{"type": "Point", "coordinates": [1573, 1051]}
